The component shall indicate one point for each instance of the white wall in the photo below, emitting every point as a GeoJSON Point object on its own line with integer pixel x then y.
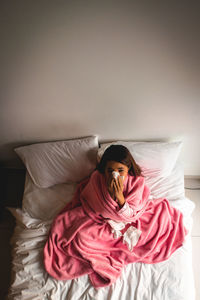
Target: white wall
{"type": "Point", "coordinates": [77, 68]}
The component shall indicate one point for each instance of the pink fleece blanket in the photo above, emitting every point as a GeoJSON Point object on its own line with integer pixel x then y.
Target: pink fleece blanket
{"type": "Point", "coordinates": [81, 240]}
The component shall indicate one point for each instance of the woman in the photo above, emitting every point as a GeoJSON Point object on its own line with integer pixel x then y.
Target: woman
{"type": "Point", "coordinates": [111, 222]}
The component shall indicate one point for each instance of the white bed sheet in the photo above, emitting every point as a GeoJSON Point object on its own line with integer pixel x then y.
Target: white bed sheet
{"type": "Point", "coordinates": [168, 280]}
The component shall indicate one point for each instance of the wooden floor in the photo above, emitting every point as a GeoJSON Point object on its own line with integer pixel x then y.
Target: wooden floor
{"type": "Point", "coordinates": [12, 191]}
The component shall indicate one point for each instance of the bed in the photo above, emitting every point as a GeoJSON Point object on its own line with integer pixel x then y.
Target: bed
{"type": "Point", "coordinates": [53, 171]}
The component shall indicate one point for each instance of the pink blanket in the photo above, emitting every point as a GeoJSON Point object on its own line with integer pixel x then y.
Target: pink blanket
{"type": "Point", "coordinates": [81, 240]}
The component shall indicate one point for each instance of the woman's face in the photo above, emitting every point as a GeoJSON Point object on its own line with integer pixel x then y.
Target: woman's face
{"type": "Point", "coordinates": [115, 166]}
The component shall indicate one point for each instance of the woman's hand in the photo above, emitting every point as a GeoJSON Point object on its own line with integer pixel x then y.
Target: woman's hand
{"type": "Point", "coordinates": [115, 188]}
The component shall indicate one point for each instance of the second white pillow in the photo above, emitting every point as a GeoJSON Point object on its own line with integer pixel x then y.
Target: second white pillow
{"type": "Point", "coordinates": [156, 159]}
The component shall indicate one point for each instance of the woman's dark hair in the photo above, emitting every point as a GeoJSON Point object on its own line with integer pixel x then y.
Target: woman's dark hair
{"type": "Point", "coordinates": [122, 155]}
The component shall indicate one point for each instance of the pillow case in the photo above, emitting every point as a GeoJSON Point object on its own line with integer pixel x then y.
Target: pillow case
{"type": "Point", "coordinates": [60, 162]}
{"type": "Point", "coordinates": [156, 159]}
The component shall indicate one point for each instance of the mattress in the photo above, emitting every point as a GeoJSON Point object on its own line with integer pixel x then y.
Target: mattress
{"type": "Point", "coordinates": [168, 280]}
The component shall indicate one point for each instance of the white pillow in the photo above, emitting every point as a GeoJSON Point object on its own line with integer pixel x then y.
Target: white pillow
{"type": "Point", "coordinates": [156, 159]}
{"type": "Point", "coordinates": [60, 162]}
{"type": "Point", "coordinates": [46, 203]}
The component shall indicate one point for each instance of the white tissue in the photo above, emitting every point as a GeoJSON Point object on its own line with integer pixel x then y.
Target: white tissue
{"type": "Point", "coordinates": [131, 235]}
{"type": "Point", "coordinates": [115, 174]}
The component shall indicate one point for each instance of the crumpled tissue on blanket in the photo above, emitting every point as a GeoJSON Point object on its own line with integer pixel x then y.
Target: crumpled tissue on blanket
{"type": "Point", "coordinates": [130, 237]}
